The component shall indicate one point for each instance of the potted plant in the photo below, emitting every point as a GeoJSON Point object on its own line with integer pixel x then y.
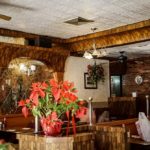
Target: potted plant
{"type": "Point", "coordinates": [49, 101]}
{"type": "Point", "coordinates": [96, 72]}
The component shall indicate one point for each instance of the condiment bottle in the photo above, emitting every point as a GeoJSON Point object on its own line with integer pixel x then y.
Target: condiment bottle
{"type": "Point", "coordinates": [1, 125]}
{"type": "Point", "coordinates": [4, 123]}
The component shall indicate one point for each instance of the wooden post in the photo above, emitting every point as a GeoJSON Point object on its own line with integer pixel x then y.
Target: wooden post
{"type": "Point", "coordinates": [36, 128]}
{"type": "Point", "coordinates": [58, 76]}
{"type": "Point", "coordinates": [147, 105]}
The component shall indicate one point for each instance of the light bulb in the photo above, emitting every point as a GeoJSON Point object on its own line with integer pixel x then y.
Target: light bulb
{"type": "Point", "coordinates": [33, 67]}
{"type": "Point", "coordinates": [87, 55]}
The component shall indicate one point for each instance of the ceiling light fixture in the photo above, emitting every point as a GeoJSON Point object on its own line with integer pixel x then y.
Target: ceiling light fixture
{"type": "Point", "coordinates": [96, 53]}
{"type": "Point", "coordinates": [103, 52]}
{"type": "Point", "coordinates": [87, 55]}
{"type": "Point", "coordinates": [27, 69]}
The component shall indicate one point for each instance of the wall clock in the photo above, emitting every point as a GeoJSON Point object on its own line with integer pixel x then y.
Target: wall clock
{"type": "Point", "coordinates": [138, 79]}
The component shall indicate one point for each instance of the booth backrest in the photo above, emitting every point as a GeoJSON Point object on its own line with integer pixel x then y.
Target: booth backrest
{"type": "Point", "coordinates": [18, 120]}
{"type": "Point", "coordinates": [122, 107]}
{"type": "Point", "coordinates": [129, 124]}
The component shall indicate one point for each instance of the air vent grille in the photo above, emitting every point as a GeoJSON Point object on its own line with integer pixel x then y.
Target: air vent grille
{"type": "Point", "coordinates": [79, 21]}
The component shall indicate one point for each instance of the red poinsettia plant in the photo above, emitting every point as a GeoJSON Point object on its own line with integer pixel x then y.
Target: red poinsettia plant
{"type": "Point", "coordinates": [50, 100]}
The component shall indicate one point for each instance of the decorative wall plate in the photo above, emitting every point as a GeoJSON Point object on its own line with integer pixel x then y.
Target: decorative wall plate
{"type": "Point", "coordinates": [138, 79]}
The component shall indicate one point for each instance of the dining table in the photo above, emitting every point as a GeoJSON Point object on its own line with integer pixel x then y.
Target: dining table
{"type": "Point", "coordinates": [136, 143]}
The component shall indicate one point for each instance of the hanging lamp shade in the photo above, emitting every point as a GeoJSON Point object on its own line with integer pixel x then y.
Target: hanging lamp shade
{"type": "Point", "coordinates": [87, 55]}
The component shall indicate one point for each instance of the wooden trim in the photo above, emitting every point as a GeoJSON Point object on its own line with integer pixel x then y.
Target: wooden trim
{"type": "Point", "coordinates": [14, 33]}
{"type": "Point", "coordinates": [122, 38]}
{"type": "Point", "coordinates": [57, 50]}
{"type": "Point", "coordinates": [58, 76]}
{"type": "Point", "coordinates": [134, 26]}
{"type": "Point", "coordinates": [118, 122]}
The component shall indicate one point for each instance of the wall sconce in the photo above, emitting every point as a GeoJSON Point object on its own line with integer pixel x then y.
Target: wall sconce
{"type": "Point", "coordinates": [27, 69]}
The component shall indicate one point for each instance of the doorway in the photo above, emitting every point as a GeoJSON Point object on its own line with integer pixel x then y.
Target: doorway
{"type": "Point", "coordinates": [116, 85]}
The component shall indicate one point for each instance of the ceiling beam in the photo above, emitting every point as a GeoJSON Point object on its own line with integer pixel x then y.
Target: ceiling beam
{"type": "Point", "coordinates": [55, 50]}
{"type": "Point", "coordinates": [128, 34]}
{"type": "Point", "coordinates": [14, 33]}
{"type": "Point", "coordinates": [141, 24]}
{"type": "Point", "coordinates": [52, 57]}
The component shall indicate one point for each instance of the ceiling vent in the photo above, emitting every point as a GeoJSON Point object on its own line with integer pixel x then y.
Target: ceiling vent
{"type": "Point", "coordinates": [79, 21]}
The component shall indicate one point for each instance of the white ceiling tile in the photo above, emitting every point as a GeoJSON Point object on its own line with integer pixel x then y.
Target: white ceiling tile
{"type": "Point", "coordinates": [47, 17]}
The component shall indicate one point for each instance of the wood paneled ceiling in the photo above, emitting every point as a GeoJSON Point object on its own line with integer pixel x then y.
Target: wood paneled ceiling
{"type": "Point", "coordinates": [47, 17]}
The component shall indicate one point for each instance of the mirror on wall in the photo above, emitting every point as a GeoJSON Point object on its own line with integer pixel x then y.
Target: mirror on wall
{"type": "Point", "coordinates": [15, 82]}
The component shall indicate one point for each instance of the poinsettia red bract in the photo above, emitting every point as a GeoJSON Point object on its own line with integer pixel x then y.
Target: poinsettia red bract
{"type": "Point", "coordinates": [50, 100]}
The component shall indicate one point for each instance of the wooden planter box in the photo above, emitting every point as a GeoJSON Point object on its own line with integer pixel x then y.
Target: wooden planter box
{"type": "Point", "coordinates": [39, 142]}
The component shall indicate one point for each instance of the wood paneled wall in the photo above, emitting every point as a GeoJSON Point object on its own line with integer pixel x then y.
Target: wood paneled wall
{"type": "Point", "coordinates": [52, 57]}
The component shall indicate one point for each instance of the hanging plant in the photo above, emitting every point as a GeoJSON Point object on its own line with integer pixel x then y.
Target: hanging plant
{"type": "Point", "coordinates": [96, 72]}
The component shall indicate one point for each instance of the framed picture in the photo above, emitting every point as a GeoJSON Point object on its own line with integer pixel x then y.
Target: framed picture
{"type": "Point", "coordinates": [88, 84]}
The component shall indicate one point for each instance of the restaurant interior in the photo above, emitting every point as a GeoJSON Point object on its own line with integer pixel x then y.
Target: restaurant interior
{"type": "Point", "coordinates": [102, 48]}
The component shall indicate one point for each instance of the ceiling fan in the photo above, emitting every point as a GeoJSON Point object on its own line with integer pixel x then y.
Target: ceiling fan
{"type": "Point", "coordinates": [3, 4]}
{"type": "Point", "coordinates": [122, 58]}
{"type": "Point", "coordinates": [4, 17]}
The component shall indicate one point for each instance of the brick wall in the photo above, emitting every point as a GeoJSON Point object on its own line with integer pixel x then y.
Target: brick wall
{"type": "Point", "coordinates": [135, 68]}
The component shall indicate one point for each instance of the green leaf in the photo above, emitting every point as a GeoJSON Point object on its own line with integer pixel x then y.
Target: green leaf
{"type": "Point", "coordinates": [36, 112]}
{"type": "Point", "coordinates": [48, 113]}
{"type": "Point", "coordinates": [3, 146]}
{"type": "Point", "coordinates": [47, 97]}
